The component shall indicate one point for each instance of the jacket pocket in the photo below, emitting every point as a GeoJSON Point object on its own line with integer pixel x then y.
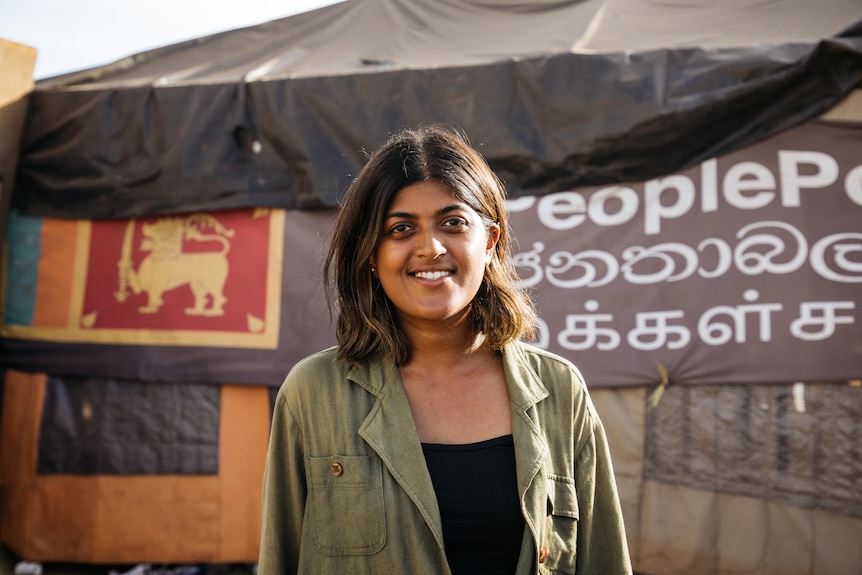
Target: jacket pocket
{"type": "Point", "coordinates": [562, 526]}
{"type": "Point", "coordinates": [345, 504]}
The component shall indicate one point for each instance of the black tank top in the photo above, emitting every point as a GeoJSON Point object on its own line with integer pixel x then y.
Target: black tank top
{"type": "Point", "coordinates": [477, 493]}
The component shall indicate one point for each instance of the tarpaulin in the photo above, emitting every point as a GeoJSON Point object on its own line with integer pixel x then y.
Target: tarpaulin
{"type": "Point", "coordinates": [555, 95]}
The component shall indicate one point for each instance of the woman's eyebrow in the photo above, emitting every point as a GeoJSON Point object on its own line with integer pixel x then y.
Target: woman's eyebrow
{"type": "Point", "coordinates": [410, 216]}
{"type": "Point", "coordinates": [404, 215]}
{"type": "Point", "coordinates": [448, 209]}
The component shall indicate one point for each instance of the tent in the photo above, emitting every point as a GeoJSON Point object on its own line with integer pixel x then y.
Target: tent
{"type": "Point", "coordinates": [628, 136]}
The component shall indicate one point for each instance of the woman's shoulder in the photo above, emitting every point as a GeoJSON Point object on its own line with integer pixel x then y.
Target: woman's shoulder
{"type": "Point", "coordinates": [321, 360]}
{"type": "Point", "coordinates": [545, 362]}
{"type": "Point", "coordinates": [314, 370]}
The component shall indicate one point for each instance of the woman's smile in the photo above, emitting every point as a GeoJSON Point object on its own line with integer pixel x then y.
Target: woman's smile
{"type": "Point", "coordinates": [430, 275]}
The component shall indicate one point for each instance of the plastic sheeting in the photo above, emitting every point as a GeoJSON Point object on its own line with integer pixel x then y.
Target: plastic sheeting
{"type": "Point", "coordinates": [555, 94]}
{"type": "Point", "coordinates": [798, 444]}
{"type": "Point", "coordinates": [696, 520]}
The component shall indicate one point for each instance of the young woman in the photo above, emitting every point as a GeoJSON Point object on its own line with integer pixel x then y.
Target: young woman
{"type": "Point", "coordinates": [431, 440]}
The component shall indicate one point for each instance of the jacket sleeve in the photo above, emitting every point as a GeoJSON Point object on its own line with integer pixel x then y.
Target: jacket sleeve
{"type": "Point", "coordinates": [284, 494]}
{"type": "Point", "coordinates": [601, 545]}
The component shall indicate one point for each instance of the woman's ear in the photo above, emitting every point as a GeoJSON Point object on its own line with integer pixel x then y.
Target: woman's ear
{"type": "Point", "coordinates": [493, 238]}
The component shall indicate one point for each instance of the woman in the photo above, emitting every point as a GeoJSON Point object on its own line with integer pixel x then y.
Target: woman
{"type": "Point", "coordinates": [431, 440]}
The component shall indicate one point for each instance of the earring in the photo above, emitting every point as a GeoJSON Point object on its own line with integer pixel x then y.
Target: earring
{"type": "Point", "coordinates": [373, 269]}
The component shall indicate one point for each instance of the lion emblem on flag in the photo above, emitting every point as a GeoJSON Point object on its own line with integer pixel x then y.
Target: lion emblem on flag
{"type": "Point", "coordinates": [167, 266]}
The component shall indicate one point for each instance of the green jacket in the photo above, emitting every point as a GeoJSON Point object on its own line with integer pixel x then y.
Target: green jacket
{"type": "Point", "coordinates": [347, 492]}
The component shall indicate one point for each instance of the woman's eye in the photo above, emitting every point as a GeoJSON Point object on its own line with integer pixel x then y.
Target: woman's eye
{"type": "Point", "coordinates": [399, 229]}
{"type": "Point", "coordinates": [455, 223]}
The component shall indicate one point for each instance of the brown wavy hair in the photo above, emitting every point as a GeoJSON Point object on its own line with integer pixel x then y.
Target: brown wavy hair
{"type": "Point", "coordinates": [367, 325]}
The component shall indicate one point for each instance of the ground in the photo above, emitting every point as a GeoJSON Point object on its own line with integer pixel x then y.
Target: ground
{"type": "Point", "coordinates": [8, 560]}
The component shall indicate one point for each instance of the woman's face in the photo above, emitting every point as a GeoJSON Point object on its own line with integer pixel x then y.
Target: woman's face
{"type": "Point", "coordinates": [432, 254]}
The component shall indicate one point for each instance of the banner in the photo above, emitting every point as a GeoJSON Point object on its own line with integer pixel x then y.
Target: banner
{"type": "Point", "coordinates": [744, 269]}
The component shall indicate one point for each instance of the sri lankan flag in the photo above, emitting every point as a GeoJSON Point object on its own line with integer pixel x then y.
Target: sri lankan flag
{"type": "Point", "coordinates": [207, 297]}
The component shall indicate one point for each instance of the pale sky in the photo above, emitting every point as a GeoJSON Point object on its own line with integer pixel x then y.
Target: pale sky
{"type": "Point", "coordinates": [71, 35]}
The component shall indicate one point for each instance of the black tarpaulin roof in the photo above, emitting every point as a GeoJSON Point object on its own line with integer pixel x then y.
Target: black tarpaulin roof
{"type": "Point", "coordinates": [555, 95]}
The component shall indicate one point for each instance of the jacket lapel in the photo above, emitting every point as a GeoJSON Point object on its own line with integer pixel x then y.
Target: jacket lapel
{"type": "Point", "coordinates": [389, 430]}
{"type": "Point", "coordinates": [531, 449]}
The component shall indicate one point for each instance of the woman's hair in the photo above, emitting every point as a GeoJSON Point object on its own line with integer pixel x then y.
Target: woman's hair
{"type": "Point", "coordinates": [367, 326]}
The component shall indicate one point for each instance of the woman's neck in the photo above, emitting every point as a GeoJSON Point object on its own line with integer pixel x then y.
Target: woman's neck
{"type": "Point", "coordinates": [456, 389]}
{"type": "Point", "coordinates": [436, 345]}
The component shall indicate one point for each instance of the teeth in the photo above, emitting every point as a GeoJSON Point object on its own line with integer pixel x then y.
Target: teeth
{"type": "Point", "coordinates": [432, 275]}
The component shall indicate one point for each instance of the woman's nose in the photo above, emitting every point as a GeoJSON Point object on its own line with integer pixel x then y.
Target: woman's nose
{"type": "Point", "coordinates": [429, 245]}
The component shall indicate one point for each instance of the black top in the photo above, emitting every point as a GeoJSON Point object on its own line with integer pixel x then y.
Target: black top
{"type": "Point", "coordinates": [477, 493]}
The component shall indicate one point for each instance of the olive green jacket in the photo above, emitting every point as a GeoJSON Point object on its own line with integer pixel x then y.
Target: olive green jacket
{"type": "Point", "coordinates": [346, 489]}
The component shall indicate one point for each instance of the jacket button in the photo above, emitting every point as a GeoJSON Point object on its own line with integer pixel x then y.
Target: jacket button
{"type": "Point", "coordinates": [543, 554]}
{"type": "Point", "coordinates": [336, 469]}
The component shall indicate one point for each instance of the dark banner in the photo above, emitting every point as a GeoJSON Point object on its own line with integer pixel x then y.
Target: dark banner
{"type": "Point", "coordinates": [744, 269]}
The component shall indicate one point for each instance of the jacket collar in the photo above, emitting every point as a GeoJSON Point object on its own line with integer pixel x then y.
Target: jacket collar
{"type": "Point", "coordinates": [525, 387]}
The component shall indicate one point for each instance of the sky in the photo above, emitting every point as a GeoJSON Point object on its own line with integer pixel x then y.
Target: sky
{"type": "Point", "coordinates": [71, 35]}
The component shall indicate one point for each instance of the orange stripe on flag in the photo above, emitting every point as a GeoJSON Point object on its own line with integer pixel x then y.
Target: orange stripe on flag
{"type": "Point", "coordinates": [56, 263]}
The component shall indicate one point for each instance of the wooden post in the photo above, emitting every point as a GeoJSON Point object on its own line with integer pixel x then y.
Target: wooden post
{"type": "Point", "coordinates": [17, 62]}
